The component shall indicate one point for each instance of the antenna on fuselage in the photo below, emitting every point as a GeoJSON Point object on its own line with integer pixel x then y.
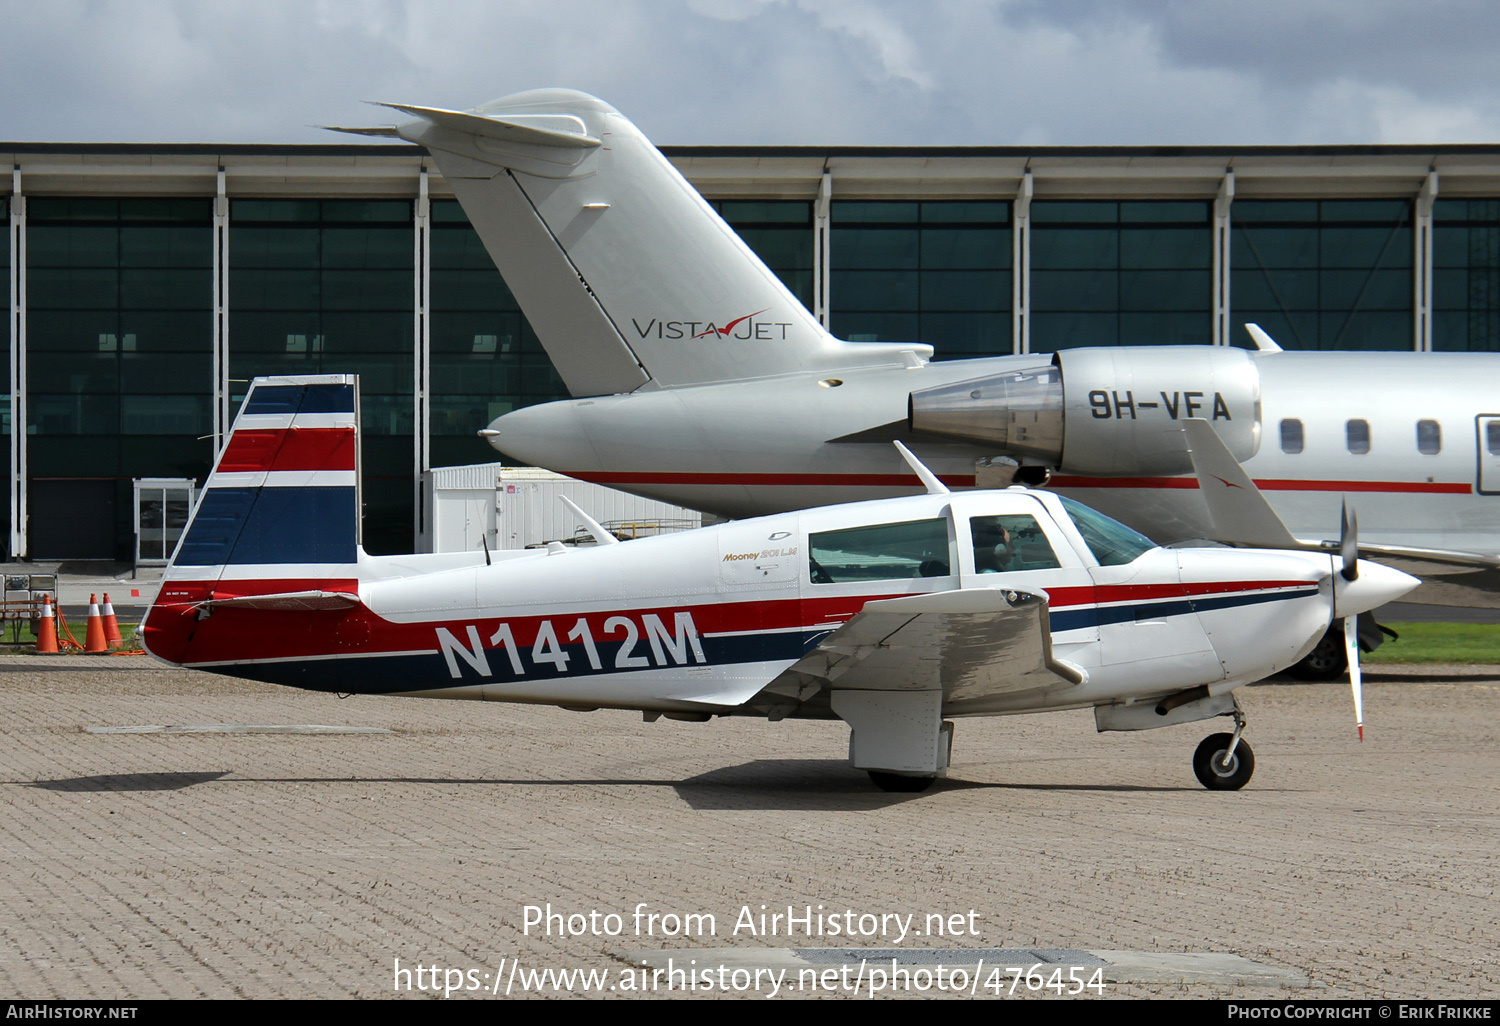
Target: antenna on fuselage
{"type": "Point", "coordinates": [929, 479]}
{"type": "Point", "coordinates": [601, 536]}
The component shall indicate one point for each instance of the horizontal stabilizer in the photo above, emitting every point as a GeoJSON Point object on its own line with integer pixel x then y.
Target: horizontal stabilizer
{"type": "Point", "coordinates": [298, 601]}
{"type": "Point", "coordinates": [535, 129]}
{"type": "Point", "coordinates": [383, 131]}
{"type": "Point", "coordinates": [1240, 513]}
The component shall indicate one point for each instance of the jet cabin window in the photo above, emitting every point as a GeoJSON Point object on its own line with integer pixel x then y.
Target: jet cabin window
{"type": "Point", "coordinates": [1492, 437]}
{"type": "Point", "coordinates": [1004, 544]}
{"type": "Point", "coordinates": [881, 552]}
{"type": "Point", "coordinates": [1357, 436]}
{"type": "Point", "coordinates": [1291, 436]}
{"type": "Point", "coordinates": [1429, 437]}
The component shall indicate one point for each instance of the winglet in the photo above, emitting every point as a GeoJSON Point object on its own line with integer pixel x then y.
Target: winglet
{"type": "Point", "coordinates": [1240, 513]}
{"type": "Point", "coordinates": [1264, 342]}
{"type": "Point", "coordinates": [929, 479]}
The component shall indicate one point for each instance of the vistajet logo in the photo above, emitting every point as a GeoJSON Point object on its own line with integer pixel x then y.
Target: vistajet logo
{"type": "Point", "coordinates": [746, 328]}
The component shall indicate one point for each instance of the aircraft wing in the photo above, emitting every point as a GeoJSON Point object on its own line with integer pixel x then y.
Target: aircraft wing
{"type": "Point", "coordinates": [969, 644]}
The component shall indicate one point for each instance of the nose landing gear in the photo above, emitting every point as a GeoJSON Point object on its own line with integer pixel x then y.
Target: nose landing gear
{"type": "Point", "coordinates": [1224, 762]}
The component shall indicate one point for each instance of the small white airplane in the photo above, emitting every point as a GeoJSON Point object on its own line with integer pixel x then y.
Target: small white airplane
{"type": "Point", "coordinates": [701, 380]}
{"type": "Point", "coordinates": [894, 615]}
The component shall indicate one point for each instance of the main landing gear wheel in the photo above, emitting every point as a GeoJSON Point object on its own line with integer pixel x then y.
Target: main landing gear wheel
{"type": "Point", "coordinates": [899, 784]}
{"type": "Point", "coordinates": [1326, 661]}
{"type": "Point", "coordinates": [1214, 772]}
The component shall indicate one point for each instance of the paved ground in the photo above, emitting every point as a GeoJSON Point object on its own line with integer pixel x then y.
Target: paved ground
{"type": "Point", "coordinates": [263, 865]}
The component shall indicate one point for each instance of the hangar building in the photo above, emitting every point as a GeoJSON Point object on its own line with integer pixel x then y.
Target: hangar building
{"type": "Point", "coordinates": [149, 283]}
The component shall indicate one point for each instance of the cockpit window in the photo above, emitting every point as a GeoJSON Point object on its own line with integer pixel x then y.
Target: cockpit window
{"type": "Point", "coordinates": [1003, 544]}
{"type": "Point", "coordinates": [881, 552]}
{"type": "Point", "coordinates": [1111, 542]}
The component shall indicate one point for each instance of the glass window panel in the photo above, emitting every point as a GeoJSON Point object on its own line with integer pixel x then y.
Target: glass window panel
{"type": "Point", "coordinates": [1075, 247]}
{"type": "Point", "coordinates": [161, 246]}
{"type": "Point", "coordinates": [1366, 247]}
{"type": "Point", "coordinates": [274, 210]}
{"type": "Point", "coordinates": [1357, 436]}
{"type": "Point", "coordinates": [1429, 437]}
{"type": "Point", "coordinates": [1166, 210]}
{"type": "Point", "coordinates": [273, 289]}
{"type": "Point", "coordinates": [965, 290]}
{"type": "Point", "coordinates": [1275, 210]}
{"type": "Point", "coordinates": [738, 212]}
{"type": "Point", "coordinates": [1053, 331]}
{"type": "Point", "coordinates": [1167, 247]}
{"type": "Point", "coordinates": [1166, 290]}
{"type": "Point", "coordinates": [953, 248]}
{"type": "Point", "coordinates": [1492, 437]}
{"type": "Point", "coordinates": [1166, 329]}
{"type": "Point", "coordinates": [1291, 436]}
{"type": "Point", "coordinates": [76, 288]}
{"type": "Point", "coordinates": [842, 211]}
{"type": "Point", "coordinates": [966, 334]}
{"type": "Point", "coordinates": [1365, 210]}
{"type": "Point", "coordinates": [162, 288]}
{"type": "Point", "coordinates": [272, 247]}
{"type": "Point", "coordinates": [367, 248]}
{"type": "Point", "coordinates": [873, 248]}
{"type": "Point", "coordinates": [882, 552]}
{"type": "Point", "coordinates": [1071, 291]}
{"type": "Point", "coordinates": [1273, 247]}
{"type": "Point", "coordinates": [1368, 330]}
{"type": "Point", "coordinates": [1366, 289]}
{"type": "Point", "coordinates": [366, 210]}
{"type": "Point", "coordinates": [72, 208]}
{"type": "Point", "coordinates": [877, 290]}
{"type": "Point", "coordinates": [1274, 288]}
{"type": "Point", "coordinates": [70, 246]}
{"type": "Point", "coordinates": [965, 212]}
{"type": "Point", "coordinates": [1056, 211]}
{"type": "Point", "coordinates": [876, 327]}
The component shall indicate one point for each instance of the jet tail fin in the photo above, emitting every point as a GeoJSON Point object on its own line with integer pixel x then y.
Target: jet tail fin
{"type": "Point", "coordinates": [1240, 513]}
{"type": "Point", "coordinates": [626, 273]}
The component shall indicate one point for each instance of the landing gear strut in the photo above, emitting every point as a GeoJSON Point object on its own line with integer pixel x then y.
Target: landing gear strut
{"type": "Point", "coordinates": [1224, 762]}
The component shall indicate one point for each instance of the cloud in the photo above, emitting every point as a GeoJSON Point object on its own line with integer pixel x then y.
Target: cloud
{"type": "Point", "coordinates": [817, 72]}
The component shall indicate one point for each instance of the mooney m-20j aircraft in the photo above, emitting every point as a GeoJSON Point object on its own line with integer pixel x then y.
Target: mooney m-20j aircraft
{"type": "Point", "coordinates": [894, 615]}
{"type": "Point", "coordinates": [701, 380]}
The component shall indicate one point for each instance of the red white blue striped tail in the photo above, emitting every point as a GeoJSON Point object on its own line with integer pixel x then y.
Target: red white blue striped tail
{"type": "Point", "coordinates": [277, 525]}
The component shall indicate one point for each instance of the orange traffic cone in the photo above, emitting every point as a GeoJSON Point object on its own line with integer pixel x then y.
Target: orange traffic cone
{"type": "Point", "coordinates": [94, 641]}
{"type": "Point", "coordinates": [46, 632]}
{"type": "Point", "coordinates": [111, 625]}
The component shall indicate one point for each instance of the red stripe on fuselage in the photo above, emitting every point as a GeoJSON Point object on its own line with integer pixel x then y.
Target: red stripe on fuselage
{"type": "Point", "coordinates": [291, 449]}
{"type": "Point", "coordinates": [175, 632]}
{"type": "Point", "coordinates": [1268, 484]}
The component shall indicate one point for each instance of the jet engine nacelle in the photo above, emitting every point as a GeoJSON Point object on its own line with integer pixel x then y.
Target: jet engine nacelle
{"type": "Point", "coordinates": [1104, 411]}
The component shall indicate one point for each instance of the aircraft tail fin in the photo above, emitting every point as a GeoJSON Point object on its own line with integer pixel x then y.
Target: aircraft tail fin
{"type": "Point", "coordinates": [276, 527]}
{"type": "Point", "coordinates": [626, 273]}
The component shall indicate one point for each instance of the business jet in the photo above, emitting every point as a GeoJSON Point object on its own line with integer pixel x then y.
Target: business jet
{"type": "Point", "coordinates": [895, 615]}
{"type": "Point", "coordinates": [700, 380]}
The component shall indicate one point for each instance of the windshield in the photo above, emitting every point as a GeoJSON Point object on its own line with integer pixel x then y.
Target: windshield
{"type": "Point", "coordinates": [1111, 542]}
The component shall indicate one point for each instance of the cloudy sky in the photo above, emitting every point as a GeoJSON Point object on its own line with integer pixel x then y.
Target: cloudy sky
{"type": "Point", "coordinates": [876, 72]}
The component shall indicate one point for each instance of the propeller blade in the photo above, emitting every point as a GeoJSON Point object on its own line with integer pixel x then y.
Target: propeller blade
{"type": "Point", "coordinates": [1351, 649]}
{"type": "Point", "coordinates": [1349, 541]}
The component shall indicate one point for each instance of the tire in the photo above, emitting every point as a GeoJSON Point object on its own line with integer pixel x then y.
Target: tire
{"type": "Point", "coordinates": [1327, 660]}
{"type": "Point", "coordinates": [899, 784]}
{"type": "Point", "coordinates": [1216, 778]}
